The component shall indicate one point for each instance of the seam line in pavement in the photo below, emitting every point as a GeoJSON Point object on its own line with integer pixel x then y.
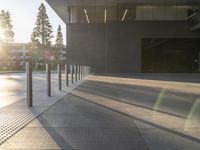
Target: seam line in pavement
{"type": "Point", "coordinates": [83, 99]}
{"type": "Point", "coordinates": [17, 116]}
{"type": "Point", "coordinates": [146, 122]}
{"type": "Point", "coordinates": [110, 97]}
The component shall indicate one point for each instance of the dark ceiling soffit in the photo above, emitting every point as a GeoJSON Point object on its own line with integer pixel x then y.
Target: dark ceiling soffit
{"type": "Point", "coordinates": [54, 3]}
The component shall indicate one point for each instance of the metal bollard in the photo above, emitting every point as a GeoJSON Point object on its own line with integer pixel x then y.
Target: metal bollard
{"type": "Point", "coordinates": [59, 77]}
{"type": "Point", "coordinates": [48, 72]}
{"type": "Point", "coordinates": [79, 72]}
{"type": "Point", "coordinates": [66, 74]}
{"type": "Point", "coordinates": [29, 87]}
{"type": "Point", "coordinates": [72, 73]}
{"type": "Point", "coordinates": [76, 73]}
{"type": "Point", "coordinates": [83, 71]}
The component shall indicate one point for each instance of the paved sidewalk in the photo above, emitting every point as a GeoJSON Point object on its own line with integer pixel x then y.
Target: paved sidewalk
{"type": "Point", "coordinates": [17, 115]}
{"type": "Point", "coordinates": [161, 108]}
{"type": "Point", "coordinates": [74, 124]}
{"type": "Point", "coordinates": [111, 113]}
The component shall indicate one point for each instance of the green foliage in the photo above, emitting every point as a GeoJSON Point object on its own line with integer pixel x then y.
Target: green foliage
{"type": "Point", "coordinates": [59, 39]}
{"type": "Point", "coordinates": [59, 46]}
{"type": "Point", "coordinates": [5, 24]}
{"type": "Point", "coordinates": [6, 39]}
{"type": "Point", "coordinates": [40, 46]}
{"type": "Point", "coordinates": [42, 33]}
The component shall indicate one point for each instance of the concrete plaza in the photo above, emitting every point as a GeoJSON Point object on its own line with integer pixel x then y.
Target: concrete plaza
{"type": "Point", "coordinates": [138, 111]}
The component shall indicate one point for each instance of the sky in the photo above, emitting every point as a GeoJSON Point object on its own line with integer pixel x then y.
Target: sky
{"type": "Point", "coordinates": [23, 15]}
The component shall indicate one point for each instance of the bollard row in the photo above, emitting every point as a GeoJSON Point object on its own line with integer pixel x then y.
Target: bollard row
{"type": "Point", "coordinates": [73, 72]}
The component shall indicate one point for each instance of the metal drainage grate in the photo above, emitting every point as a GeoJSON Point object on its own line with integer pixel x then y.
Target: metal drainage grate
{"type": "Point", "coordinates": [12, 122]}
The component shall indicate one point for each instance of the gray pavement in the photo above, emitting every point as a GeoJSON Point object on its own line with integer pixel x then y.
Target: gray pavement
{"type": "Point", "coordinates": [14, 113]}
{"type": "Point", "coordinates": [144, 111]}
{"type": "Point", "coordinates": [13, 87]}
{"type": "Point", "coordinates": [75, 124]}
{"type": "Point", "coordinates": [167, 108]}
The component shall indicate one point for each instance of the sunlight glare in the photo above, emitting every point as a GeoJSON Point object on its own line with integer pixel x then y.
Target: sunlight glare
{"type": "Point", "coordinates": [1, 34]}
{"type": "Point", "coordinates": [193, 116]}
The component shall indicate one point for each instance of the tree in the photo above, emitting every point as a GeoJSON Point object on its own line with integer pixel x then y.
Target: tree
{"type": "Point", "coordinates": [41, 37]}
{"type": "Point", "coordinates": [59, 46]}
{"type": "Point", "coordinates": [42, 33]}
{"type": "Point", "coordinates": [7, 37]}
{"type": "Point", "coordinates": [6, 26]}
{"type": "Point", "coordinates": [59, 39]}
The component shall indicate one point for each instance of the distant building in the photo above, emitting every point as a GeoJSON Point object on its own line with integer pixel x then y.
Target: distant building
{"type": "Point", "coordinates": [63, 55]}
{"type": "Point", "coordinates": [19, 54]}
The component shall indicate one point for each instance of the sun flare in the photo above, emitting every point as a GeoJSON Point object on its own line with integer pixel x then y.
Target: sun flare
{"type": "Point", "coordinates": [1, 34]}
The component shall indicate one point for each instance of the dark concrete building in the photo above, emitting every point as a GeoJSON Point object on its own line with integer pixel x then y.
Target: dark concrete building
{"type": "Point", "coordinates": [132, 36]}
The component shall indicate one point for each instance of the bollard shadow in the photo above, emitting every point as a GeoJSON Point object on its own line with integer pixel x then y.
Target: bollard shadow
{"type": "Point", "coordinates": [54, 133]}
{"type": "Point", "coordinates": [129, 103]}
{"type": "Point", "coordinates": [172, 77]}
{"type": "Point", "coordinates": [158, 99]}
{"type": "Point", "coordinates": [174, 132]}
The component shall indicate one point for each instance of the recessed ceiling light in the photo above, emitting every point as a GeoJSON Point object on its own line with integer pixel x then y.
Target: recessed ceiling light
{"type": "Point", "coordinates": [105, 16]}
{"type": "Point", "coordinates": [124, 14]}
{"type": "Point", "coordinates": [86, 15]}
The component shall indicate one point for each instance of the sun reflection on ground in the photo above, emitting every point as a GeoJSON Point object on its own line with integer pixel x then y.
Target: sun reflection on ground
{"type": "Point", "coordinates": [8, 90]}
{"type": "Point", "coordinates": [193, 116]}
{"type": "Point", "coordinates": [159, 99]}
{"type": "Point", "coordinates": [180, 100]}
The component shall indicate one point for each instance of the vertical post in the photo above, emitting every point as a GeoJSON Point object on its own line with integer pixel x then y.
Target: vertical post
{"type": "Point", "coordinates": [48, 72]}
{"type": "Point", "coordinates": [76, 73]}
{"type": "Point", "coordinates": [82, 72]}
{"type": "Point", "coordinates": [66, 74]}
{"type": "Point", "coordinates": [72, 73]}
{"type": "Point", "coordinates": [199, 62]}
{"type": "Point", "coordinates": [59, 77]}
{"type": "Point", "coordinates": [79, 72]}
{"type": "Point", "coordinates": [29, 85]}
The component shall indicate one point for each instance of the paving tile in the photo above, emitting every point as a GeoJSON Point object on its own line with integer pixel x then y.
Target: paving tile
{"type": "Point", "coordinates": [92, 128]}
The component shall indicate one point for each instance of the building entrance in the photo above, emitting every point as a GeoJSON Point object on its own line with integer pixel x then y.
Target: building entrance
{"type": "Point", "coordinates": [170, 55]}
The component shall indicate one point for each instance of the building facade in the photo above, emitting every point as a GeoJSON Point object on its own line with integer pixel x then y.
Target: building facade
{"type": "Point", "coordinates": [132, 36]}
{"type": "Point", "coordinates": [19, 55]}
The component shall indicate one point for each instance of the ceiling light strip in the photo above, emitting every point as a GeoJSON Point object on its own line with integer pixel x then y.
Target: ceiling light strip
{"type": "Point", "coordinates": [105, 16]}
{"type": "Point", "coordinates": [86, 15]}
{"type": "Point", "coordinates": [124, 16]}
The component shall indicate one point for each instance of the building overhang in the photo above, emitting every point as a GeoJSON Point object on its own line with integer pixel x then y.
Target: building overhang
{"type": "Point", "coordinates": [60, 6]}
{"type": "Point", "coordinates": [116, 2]}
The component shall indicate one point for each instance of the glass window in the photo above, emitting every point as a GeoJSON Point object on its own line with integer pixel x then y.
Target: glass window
{"type": "Point", "coordinates": [161, 12]}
